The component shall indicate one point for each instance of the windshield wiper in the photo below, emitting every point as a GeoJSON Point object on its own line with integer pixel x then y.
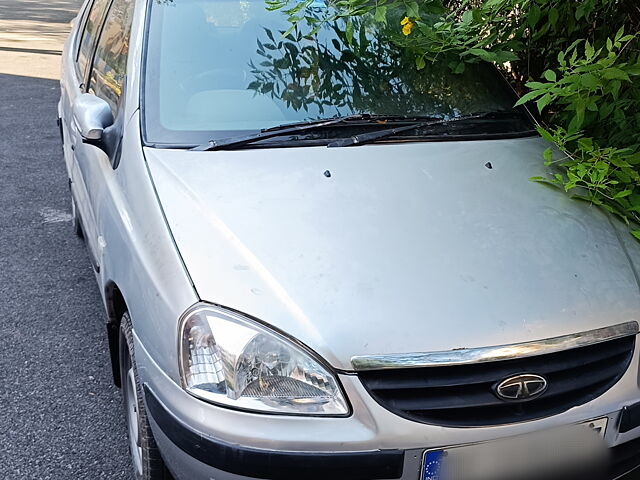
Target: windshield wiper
{"type": "Point", "coordinates": [389, 132]}
{"type": "Point", "coordinates": [284, 130]}
{"type": "Point", "coordinates": [264, 134]}
{"type": "Point", "coordinates": [365, 117]}
{"type": "Point", "coordinates": [416, 122]}
{"type": "Point", "coordinates": [293, 128]}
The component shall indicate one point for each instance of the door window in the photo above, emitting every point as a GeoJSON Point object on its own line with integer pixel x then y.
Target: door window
{"type": "Point", "coordinates": [89, 34]}
{"type": "Point", "coordinates": [110, 60]}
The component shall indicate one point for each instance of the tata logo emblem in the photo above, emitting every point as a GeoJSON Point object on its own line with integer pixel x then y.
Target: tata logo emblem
{"type": "Point", "coordinates": [521, 387]}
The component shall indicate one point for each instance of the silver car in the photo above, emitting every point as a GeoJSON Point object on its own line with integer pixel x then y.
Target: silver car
{"type": "Point", "coordinates": [318, 262]}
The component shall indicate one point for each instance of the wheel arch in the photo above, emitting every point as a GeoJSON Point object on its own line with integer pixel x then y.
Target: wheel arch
{"type": "Point", "coordinates": [116, 307]}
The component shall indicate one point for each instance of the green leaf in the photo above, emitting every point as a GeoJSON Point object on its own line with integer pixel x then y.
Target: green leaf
{"type": "Point", "coordinates": [528, 97]}
{"type": "Point", "coordinates": [413, 10]}
{"type": "Point", "coordinates": [349, 31]}
{"type": "Point", "coordinates": [420, 63]}
{"type": "Point", "coordinates": [586, 144]}
{"type": "Point", "coordinates": [483, 54]}
{"type": "Point", "coordinates": [622, 194]}
{"type": "Point", "coordinates": [548, 155]}
{"type": "Point", "coordinates": [534, 15]}
{"type": "Point", "coordinates": [381, 14]}
{"type": "Point", "coordinates": [550, 75]}
{"type": "Point", "coordinates": [615, 74]}
{"type": "Point", "coordinates": [544, 133]}
{"type": "Point", "coordinates": [549, 182]}
{"type": "Point", "coordinates": [615, 88]}
{"type": "Point", "coordinates": [574, 124]}
{"type": "Point", "coordinates": [543, 102]}
{"type": "Point", "coordinates": [553, 16]}
{"type": "Point", "coordinates": [589, 80]}
{"type": "Point", "coordinates": [537, 85]}
{"type": "Point", "coordinates": [634, 159]}
{"type": "Point", "coordinates": [633, 70]}
{"type": "Point", "coordinates": [290, 30]}
{"type": "Point", "coordinates": [459, 68]}
{"type": "Point", "coordinates": [589, 50]}
{"type": "Point", "coordinates": [636, 233]}
{"type": "Point", "coordinates": [573, 45]}
{"type": "Point", "coordinates": [504, 56]}
{"type": "Point", "coordinates": [561, 60]}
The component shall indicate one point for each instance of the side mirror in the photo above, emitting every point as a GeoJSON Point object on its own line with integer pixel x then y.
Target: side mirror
{"type": "Point", "coordinates": [92, 115]}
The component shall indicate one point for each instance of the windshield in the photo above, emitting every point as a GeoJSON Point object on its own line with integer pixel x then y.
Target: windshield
{"type": "Point", "coordinates": [222, 68]}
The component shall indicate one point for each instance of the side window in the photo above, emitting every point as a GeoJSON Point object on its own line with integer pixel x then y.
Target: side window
{"type": "Point", "coordinates": [110, 61]}
{"type": "Point", "coordinates": [90, 33]}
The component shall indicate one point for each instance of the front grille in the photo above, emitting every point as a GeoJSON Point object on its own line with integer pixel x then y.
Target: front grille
{"type": "Point", "coordinates": [463, 395]}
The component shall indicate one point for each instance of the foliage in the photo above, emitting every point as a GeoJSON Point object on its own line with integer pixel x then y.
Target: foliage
{"type": "Point", "coordinates": [577, 62]}
{"type": "Point", "coordinates": [366, 73]}
{"type": "Point", "coordinates": [596, 124]}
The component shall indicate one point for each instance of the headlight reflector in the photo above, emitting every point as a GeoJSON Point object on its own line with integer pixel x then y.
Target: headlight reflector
{"type": "Point", "coordinates": [231, 360]}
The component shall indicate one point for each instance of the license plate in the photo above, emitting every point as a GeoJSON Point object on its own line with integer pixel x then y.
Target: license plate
{"type": "Point", "coordinates": [514, 457]}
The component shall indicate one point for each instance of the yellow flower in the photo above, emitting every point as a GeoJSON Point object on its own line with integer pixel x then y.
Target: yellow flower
{"type": "Point", "coordinates": [407, 25]}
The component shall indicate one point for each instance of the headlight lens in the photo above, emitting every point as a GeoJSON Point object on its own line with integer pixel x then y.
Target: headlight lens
{"type": "Point", "coordinates": [228, 359]}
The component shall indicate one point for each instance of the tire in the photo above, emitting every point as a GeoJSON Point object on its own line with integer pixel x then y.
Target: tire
{"type": "Point", "coordinates": [75, 219]}
{"type": "Point", "coordinates": [145, 456]}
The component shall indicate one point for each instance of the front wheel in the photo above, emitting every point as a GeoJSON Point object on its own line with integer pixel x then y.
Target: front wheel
{"type": "Point", "coordinates": [145, 456]}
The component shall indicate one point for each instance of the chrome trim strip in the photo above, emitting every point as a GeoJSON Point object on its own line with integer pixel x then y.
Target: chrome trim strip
{"type": "Point", "coordinates": [466, 356]}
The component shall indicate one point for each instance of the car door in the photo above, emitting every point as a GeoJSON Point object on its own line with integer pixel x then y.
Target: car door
{"type": "Point", "coordinates": [74, 83]}
{"type": "Point", "coordinates": [106, 79]}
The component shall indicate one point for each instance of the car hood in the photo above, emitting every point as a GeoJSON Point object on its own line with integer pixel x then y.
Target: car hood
{"type": "Point", "coordinates": [398, 248]}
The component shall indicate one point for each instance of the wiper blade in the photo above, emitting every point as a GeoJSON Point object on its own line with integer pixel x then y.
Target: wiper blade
{"type": "Point", "coordinates": [293, 128]}
{"type": "Point", "coordinates": [389, 132]}
{"type": "Point", "coordinates": [280, 131]}
{"type": "Point", "coordinates": [271, 133]}
{"type": "Point", "coordinates": [322, 121]}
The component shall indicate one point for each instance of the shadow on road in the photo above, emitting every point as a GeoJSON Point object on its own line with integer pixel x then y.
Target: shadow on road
{"type": "Point", "coordinates": [59, 11]}
{"type": "Point", "coordinates": [32, 34]}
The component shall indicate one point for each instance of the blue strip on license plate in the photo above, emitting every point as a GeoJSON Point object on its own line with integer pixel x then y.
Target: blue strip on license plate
{"type": "Point", "coordinates": [432, 465]}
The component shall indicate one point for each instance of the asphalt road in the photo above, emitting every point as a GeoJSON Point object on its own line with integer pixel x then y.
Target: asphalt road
{"type": "Point", "coordinates": [60, 415]}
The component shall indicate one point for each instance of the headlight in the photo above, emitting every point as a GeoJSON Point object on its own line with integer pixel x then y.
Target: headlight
{"type": "Point", "coordinates": [231, 360]}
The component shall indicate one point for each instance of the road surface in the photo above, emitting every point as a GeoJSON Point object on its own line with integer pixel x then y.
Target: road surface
{"type": "Point", "coordinates": [60, 416]}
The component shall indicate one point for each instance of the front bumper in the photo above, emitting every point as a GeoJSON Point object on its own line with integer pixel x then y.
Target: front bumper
{"type": "Point", "coordinates": [203, 441]}
{"type": "Point", "coordinates": [191, 455]}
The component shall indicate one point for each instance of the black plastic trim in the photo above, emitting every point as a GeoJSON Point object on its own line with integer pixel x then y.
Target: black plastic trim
{"type": "Point", "coordinates": [274, 465]}
{"type": "Point", "coordinates": [143, 73]}
{"type": "Point", "coordinates": [624, 459]}
{"type": "Point", "coordinates": [629, 418]}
